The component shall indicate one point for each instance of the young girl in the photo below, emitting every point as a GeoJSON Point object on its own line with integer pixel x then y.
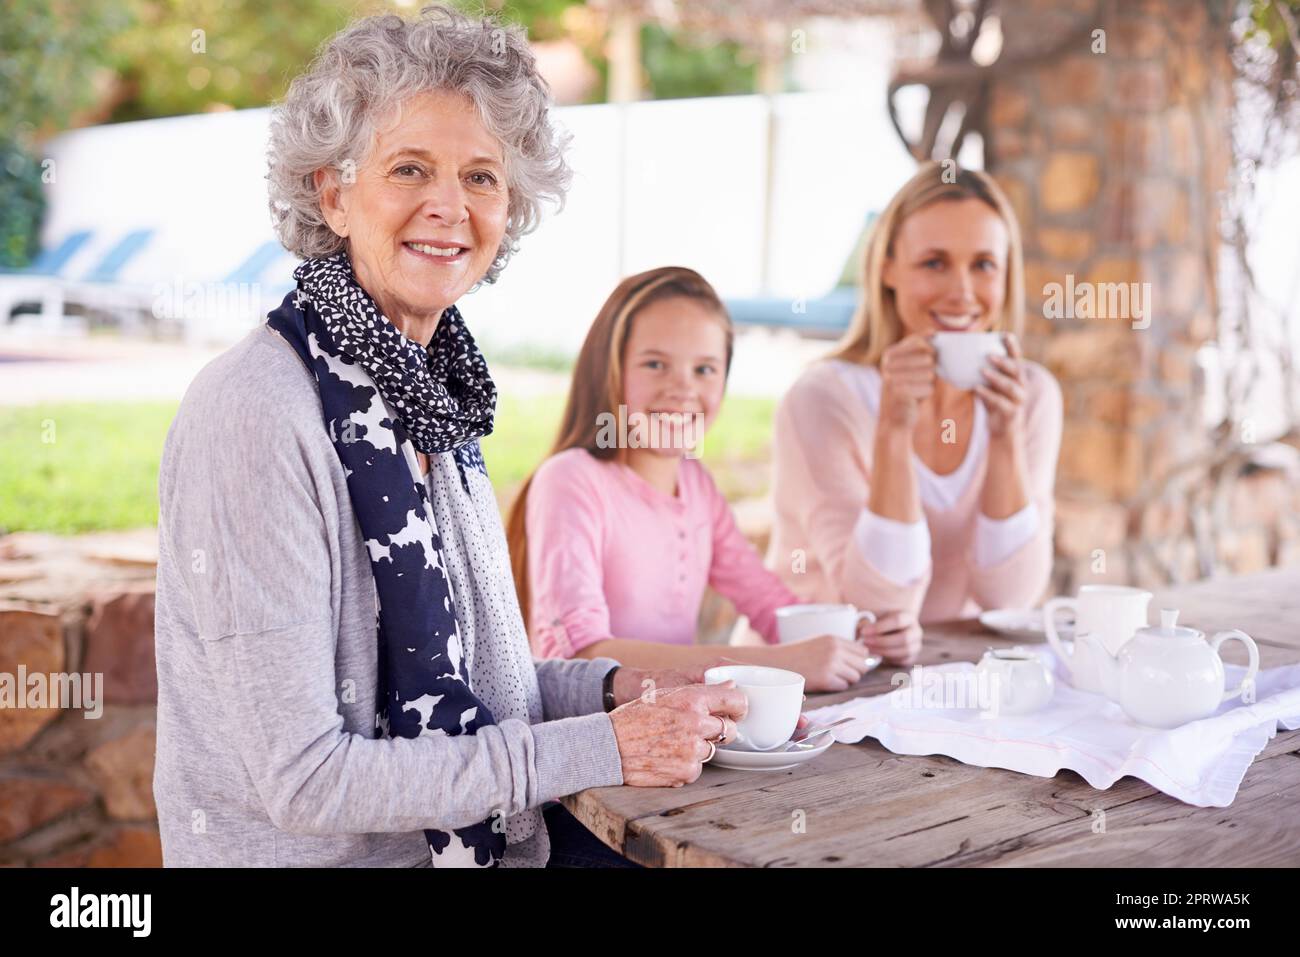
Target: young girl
{"type": "Point", "coordinates": [906, 491]}
{"type": "Point", "coordinates": [614, 538]}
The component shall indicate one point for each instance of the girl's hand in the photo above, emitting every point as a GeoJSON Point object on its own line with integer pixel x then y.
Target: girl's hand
{"type": "Point", "coordinates": [907, 370]}
{"type": "Point", "coordinates": [827, 663]}
{"type": "Point", "coordinates": [895, 636]}
{"type": "Point", "coordinates": [1004, 391]}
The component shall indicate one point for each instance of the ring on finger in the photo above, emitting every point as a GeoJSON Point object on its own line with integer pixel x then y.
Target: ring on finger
{"type": "Point", "coordinates": [721, 736]}
{"type": "Point", "coordinates": [713, 749]}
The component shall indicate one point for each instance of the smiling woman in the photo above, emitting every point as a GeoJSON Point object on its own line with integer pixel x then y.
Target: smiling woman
{"type": "Point", "coordinates": [343, 672]}
{"type": "Point", "coordinates": [908, 493]}
{"type": "Point", "coordinates": [423, 222]}
{"type": "Point", "coordinates": [343, 115]}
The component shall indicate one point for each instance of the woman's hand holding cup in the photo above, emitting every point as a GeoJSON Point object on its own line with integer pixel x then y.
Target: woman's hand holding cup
{"type": "Point", "coordinates": [895, 636]}
{"type": "Point", "coordinates": [1004, 390]}
{"type": "Point", "coordinates": [664, 737]}
{"type": "Point", "coordinates": [907, 371]}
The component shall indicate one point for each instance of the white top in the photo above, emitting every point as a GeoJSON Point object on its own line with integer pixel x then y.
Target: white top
{"type": "Point", "coordinates": [900, 551]}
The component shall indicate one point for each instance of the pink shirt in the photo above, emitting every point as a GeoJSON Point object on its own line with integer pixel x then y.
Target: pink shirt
{"type": "Point", "coordinates": [822, 441]}
{"type": "Point", "coordinates": [610, 556]}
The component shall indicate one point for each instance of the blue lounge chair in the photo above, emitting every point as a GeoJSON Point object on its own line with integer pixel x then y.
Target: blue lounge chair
{"type": "Point", "coordinates": [251, 269]}
{"type": "Point", "coordinates": [825, 317]}
{"type": "Point", "coordinates": [40, 281]}
{"type": "Point", "coordinates": [126, 249]}
{"type": "Point", "coordinates": [51, 260]}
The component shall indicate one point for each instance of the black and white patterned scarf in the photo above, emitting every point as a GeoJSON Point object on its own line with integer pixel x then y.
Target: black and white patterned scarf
{"type": "Point", "coordinates": [444, 400]}
{"type": "Point", "coordinates": [443, 394]}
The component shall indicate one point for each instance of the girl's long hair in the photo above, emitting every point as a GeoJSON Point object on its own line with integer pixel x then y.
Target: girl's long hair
{"type": "Point", "coordinates": [876, 325]}
{"type": "Point", "coordinates": [597, 386]}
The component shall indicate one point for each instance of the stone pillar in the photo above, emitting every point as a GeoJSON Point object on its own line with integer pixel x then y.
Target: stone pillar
{"type": "Point", "coordinates": [1115, 155]}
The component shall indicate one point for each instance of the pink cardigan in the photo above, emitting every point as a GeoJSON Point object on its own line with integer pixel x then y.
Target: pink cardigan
{"type": "Point", "coordinates": [610, 556]}
{"type": "Point", "coordinates": [822, 440]}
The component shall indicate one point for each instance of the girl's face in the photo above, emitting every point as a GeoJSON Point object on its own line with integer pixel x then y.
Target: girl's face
{"type": "Point", "coordinates": [674, 374]}
{"type": "Point", "coordinates": [948, 270]}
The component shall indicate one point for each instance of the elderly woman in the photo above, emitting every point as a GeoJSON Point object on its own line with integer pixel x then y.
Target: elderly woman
{"type": "Point", "coordinates": [343, 673]}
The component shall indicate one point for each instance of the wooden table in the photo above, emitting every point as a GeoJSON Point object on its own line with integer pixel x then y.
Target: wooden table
{"type": "Point", "coordinates": [863, 805]}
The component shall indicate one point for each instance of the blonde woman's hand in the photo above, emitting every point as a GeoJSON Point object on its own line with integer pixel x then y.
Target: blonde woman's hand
{"type": "Point", "coordinates": [1004, 391]}
{"type": "Point", "coordinates": [895, 636]}
{"type": "Point", "coordinates": [663, 738]}
{"type": "Point", "coordinates": [907, 371]}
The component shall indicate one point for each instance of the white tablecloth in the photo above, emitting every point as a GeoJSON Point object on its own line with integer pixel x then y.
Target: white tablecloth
{"type": "Point", "coordinates": [1201, 763]}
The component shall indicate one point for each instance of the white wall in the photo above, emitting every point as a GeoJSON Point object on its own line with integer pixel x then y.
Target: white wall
{"type": "Point", "coordinates": [670, 182]}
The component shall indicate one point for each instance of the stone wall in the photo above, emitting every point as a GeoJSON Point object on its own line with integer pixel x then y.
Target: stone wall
{"type": "Point", "coordinates": [76, 790]}
{"type": "Point", "coordinates": [1115, 155]}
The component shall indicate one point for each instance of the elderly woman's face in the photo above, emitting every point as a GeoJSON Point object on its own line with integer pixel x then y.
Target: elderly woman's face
{"type": "Point", "coordinates": [427, 211]}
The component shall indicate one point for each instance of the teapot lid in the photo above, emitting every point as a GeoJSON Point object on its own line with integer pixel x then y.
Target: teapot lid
{"type": "Point", "coordinates": [1169, 627]}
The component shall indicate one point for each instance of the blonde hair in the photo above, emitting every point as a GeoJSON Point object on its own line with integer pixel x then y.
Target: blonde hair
{"type": "Point", "coordinates": [876, 325]}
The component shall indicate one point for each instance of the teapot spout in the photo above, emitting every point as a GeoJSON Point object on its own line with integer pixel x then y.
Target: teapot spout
{"type": "Point", "coordinates": [1107, 665]}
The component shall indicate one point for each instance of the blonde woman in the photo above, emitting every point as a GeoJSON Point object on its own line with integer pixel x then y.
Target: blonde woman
{"type": "Point", "coordinates": [893, 488]}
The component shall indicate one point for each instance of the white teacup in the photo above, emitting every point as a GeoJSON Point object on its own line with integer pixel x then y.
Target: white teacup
{"type": "Point", "coordinates": [797, 622]}
{"type": "Point", "coordinates": [775, 699]}
{"type": "Point", "coordinates": [961, 355]}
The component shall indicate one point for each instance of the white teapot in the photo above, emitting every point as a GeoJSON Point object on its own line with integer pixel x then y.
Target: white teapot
{"type": "Point", "coordinates": [1164, 677]}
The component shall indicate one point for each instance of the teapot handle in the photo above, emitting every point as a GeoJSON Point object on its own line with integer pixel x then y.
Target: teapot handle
{"type": "Point", "coordinates": [1049, 627]}
{"type": "Point", "coordinates": [1251, 648]}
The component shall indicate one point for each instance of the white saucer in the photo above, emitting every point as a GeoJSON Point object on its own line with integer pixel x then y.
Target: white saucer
{"type": "Point", "coordinates": [1023, 623]}
{"type": "Point", "coordinates": [774, 760]}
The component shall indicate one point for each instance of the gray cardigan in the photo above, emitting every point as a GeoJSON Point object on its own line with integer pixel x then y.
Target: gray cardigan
{"type": "Point", "coordinates": [267, 657]}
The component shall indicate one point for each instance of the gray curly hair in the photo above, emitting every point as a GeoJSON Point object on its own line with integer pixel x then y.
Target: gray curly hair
{"type": "Point", "coordinates": [329, 114]}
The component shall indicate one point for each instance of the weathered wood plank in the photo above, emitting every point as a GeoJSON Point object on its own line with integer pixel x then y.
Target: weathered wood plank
{"type": "Point", "coordinates": [607, 811]}
{"type": "Point", "coordinates": [913, 811]}
{"type": "Point", "coordinates": [904, 811]}
{"type": "Point", "coordinates": [1260, 829]}
{"type": "Point", "coordinates": [1265, 605]}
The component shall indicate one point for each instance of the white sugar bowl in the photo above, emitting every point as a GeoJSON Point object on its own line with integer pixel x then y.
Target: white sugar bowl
{"type": "Point", "coordinates": [1015, 680]}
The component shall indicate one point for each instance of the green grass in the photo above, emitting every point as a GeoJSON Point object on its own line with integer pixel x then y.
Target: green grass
{"type": "Point", "coordinates": [738, 449]}
{"type": "Point", "coordinates": [521, 436]}
{"type": "Point", "coordinates": [80, 467]}
{"type": "Point", "coordinates": [77, 467]}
